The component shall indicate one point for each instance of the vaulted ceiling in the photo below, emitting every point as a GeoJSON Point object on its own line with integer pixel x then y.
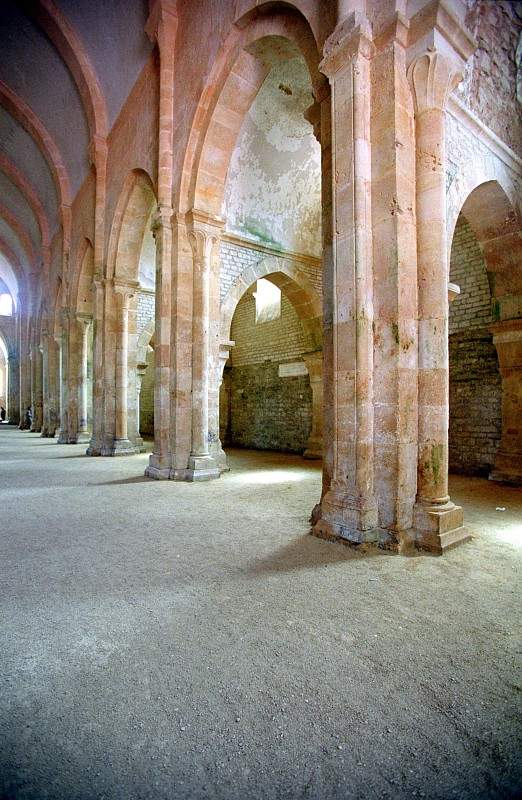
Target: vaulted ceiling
{"type": "Point", "coordinates": [66, 69]}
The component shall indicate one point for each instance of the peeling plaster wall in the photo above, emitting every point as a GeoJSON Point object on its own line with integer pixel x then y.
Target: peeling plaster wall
{"type": "Point", "coordinates": [273, 191]}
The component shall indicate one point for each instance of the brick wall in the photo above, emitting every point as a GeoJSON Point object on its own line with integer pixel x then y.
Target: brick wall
{"type": "Point", "coordinates": [144, 309]}
{"type": "Point", "coordinates": [467, 269]}
{"type": "Point", "coordinates": [475, 382]}
{"type": "Point", "coordinates": [235, 258]}
{"type": "Point", "coordinates": [265, 411]}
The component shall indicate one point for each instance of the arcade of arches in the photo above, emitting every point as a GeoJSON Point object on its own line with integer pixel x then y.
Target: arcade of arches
{"type": "Point", "coordinates": [270, 226]}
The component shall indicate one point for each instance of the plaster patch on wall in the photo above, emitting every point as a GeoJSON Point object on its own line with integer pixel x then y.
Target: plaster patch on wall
{"type": "Point", "coordinates": [273, 191]}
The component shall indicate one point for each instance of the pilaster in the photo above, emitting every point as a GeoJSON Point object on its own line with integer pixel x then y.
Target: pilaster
{"type": "Point", "coordinates": [437, 51]}
{"type": "Point", "coordinates": [124, 291]}
{"type": "Point", "coordinates": [204, 237]}
{"type": "Point", "coordinates": [348, 508]}
{"type": "Point", "coordinates": [507, 338]}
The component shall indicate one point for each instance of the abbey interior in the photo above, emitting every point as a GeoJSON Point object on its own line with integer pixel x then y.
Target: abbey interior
{"type": "Point", "coordinates": [260, 278]}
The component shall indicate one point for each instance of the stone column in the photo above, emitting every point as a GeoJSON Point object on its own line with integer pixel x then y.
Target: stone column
{"type": "Point", "coordinates": [348, 508]}
{"type": "Point", "coordinates": [13, 378]}
{"type": "Point", "coordinates": [159, 460]}
{"type": "Point", "coordinates": [314, 364]}
{"type": "Point", "coordinates": [121, 445]}
{"type": "Point", "coordinates": [96, 443]}
{"type": "Point", "coordinates": [36, 386]}
{"type": "Point", "coordinates": [216, 447]}
{"type": "Point", "coordinates": [438, 522]}
{"type": "Point", "coordinates": [204, 237]}
{"type": "Point", "coordinates": [140, 374]}
{"type": "Point", "coordinates": [63, 343]}
{"type": "Point", "coordinates": [84, 324]}
{"type": "Point", "coordinates": [59, 389]}
{"type": "Point", "coordinates": [161, 28]}
{"type": "Point", "coordinates": [507, 338]}
{"type": "Point", "coordinates": [50, 386]}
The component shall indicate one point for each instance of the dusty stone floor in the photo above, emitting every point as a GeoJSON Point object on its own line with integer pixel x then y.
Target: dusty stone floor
{"type": "Point", "coordinates": [165, 640]}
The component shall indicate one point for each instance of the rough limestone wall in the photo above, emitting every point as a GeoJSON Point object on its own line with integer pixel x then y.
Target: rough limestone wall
{"type": "Point", "coordinates": [489, 85]}
{"type": "Point", "coordinates": [266, 412]}
{"type": "Point", "coordinates": [147, 398]}
{"type": "Point", "coordinates": [475, 382]}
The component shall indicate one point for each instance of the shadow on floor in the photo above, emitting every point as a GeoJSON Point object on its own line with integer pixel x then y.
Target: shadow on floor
{"type": "Point", "coordinates": [124, 481]}
{"type": "Point", "coordinates": [309, 552]}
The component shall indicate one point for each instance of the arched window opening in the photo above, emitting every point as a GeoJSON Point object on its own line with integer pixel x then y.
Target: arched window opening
{"type": "Point", "coordinates": [6, 305]}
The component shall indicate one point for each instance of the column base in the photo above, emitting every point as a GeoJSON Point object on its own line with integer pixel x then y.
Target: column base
{"type": "Point", "coordinates": [62, 437]}
{"type": "Point", "coordinates": [139, 445]}
{"type": "Point", "coordinates": [122, 447]}
{"type": "Point", "coordinates": [436, 528]}
{"type": "Point", "coordinates": [201, 468]}
{"type": "Point", "coordinates": [507, 469]}
{"type": "Point", "coordinates": [314, 450]}
{"type": "Point", "coordinates": [342, 518]}
{"type": "Point", "coordinates": [159, 468]}
{"type": "Point", "coordinates": [84, 437]}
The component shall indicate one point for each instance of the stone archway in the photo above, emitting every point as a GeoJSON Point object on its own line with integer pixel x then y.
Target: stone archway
{"type": "Point", "coordinates": [305, 303]}
{"type": "Point", "coordinates": [497, 228]}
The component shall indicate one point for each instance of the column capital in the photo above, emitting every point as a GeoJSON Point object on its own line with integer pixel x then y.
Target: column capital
{"type": "Point", "coordinates": [439, 45]}
{"type": "Point", "coordinates": [432, 76]}
{"type": "Point", "coordinates": [162, 218]}
{"type": "Point", "coordinates": [351, 37]}
{"type": "Point", "coordinates": [204, 233]}
{"type": "Point", "coordinates": [126, 289]}
{"type": "Point", "coordinates": [83, 319]}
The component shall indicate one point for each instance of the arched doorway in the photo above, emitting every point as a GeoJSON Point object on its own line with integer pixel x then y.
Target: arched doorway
{"type": "Point", "coordinates": [271, 393]}
{"type": "Point", "coordinates": [486, 337]}
{"type": "Point", "coordinates": [251, 190]}
{"type": "Point", "coordinates": [134, 270]}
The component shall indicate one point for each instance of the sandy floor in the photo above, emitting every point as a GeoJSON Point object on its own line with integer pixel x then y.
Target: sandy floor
{"type": "Point", "coordinates": [169, 640]}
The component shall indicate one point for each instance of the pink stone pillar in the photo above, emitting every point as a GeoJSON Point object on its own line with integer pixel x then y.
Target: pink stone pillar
{"type": "Point", "coordinates": [204, 237]}
{"type": "Point", "coordinates": [98, 385]}
{"type": "Point", "coordinates": [14, 389]}
{"type": "Point", "coordinates": [159, 460]}
{"type": "Point", "coordinates": [121, 445]}
{"type": "Point", "coordinates": [37, 399]}
{"type": "Point", "coordinates": [161, 28]}
{"type": "Point", "coordinates": [507, 338]}
{"type": "Point", "coordinates": [49, 386]}
{"type": "Point", "coordinates": [438, 522]}
{"type": "Point", "coordinates": [348, 509]}
{"type": "Point", "coordinates": [63, 431]}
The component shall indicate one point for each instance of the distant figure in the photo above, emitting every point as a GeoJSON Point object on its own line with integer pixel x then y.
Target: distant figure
{"type": "Point", "coordinates": [28, 417]}
{"type": "Point", "coordinates": [2, 414]}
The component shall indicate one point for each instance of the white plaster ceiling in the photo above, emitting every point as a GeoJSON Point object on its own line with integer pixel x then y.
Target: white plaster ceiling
{"type": "Point", "coordinates": [17, 205]}
{"type": "Point", "coordinates": [113, 32]}
{"type": "Point", "coordinates": [112, 35]}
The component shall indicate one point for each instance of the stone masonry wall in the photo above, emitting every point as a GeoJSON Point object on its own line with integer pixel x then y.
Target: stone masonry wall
{"type": "Point", "coordinates": [473, 306]}
{"type": "Point", "coordinates": [144, 309]}
{"type": "Point", "coordinates": [489, 86]}
{"type": "Point", "coordinates": [265, 411]}
{"type": "Point", "coordinates": [235, 258]}
{"type": "Point", "coordinates": [475, 382]}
